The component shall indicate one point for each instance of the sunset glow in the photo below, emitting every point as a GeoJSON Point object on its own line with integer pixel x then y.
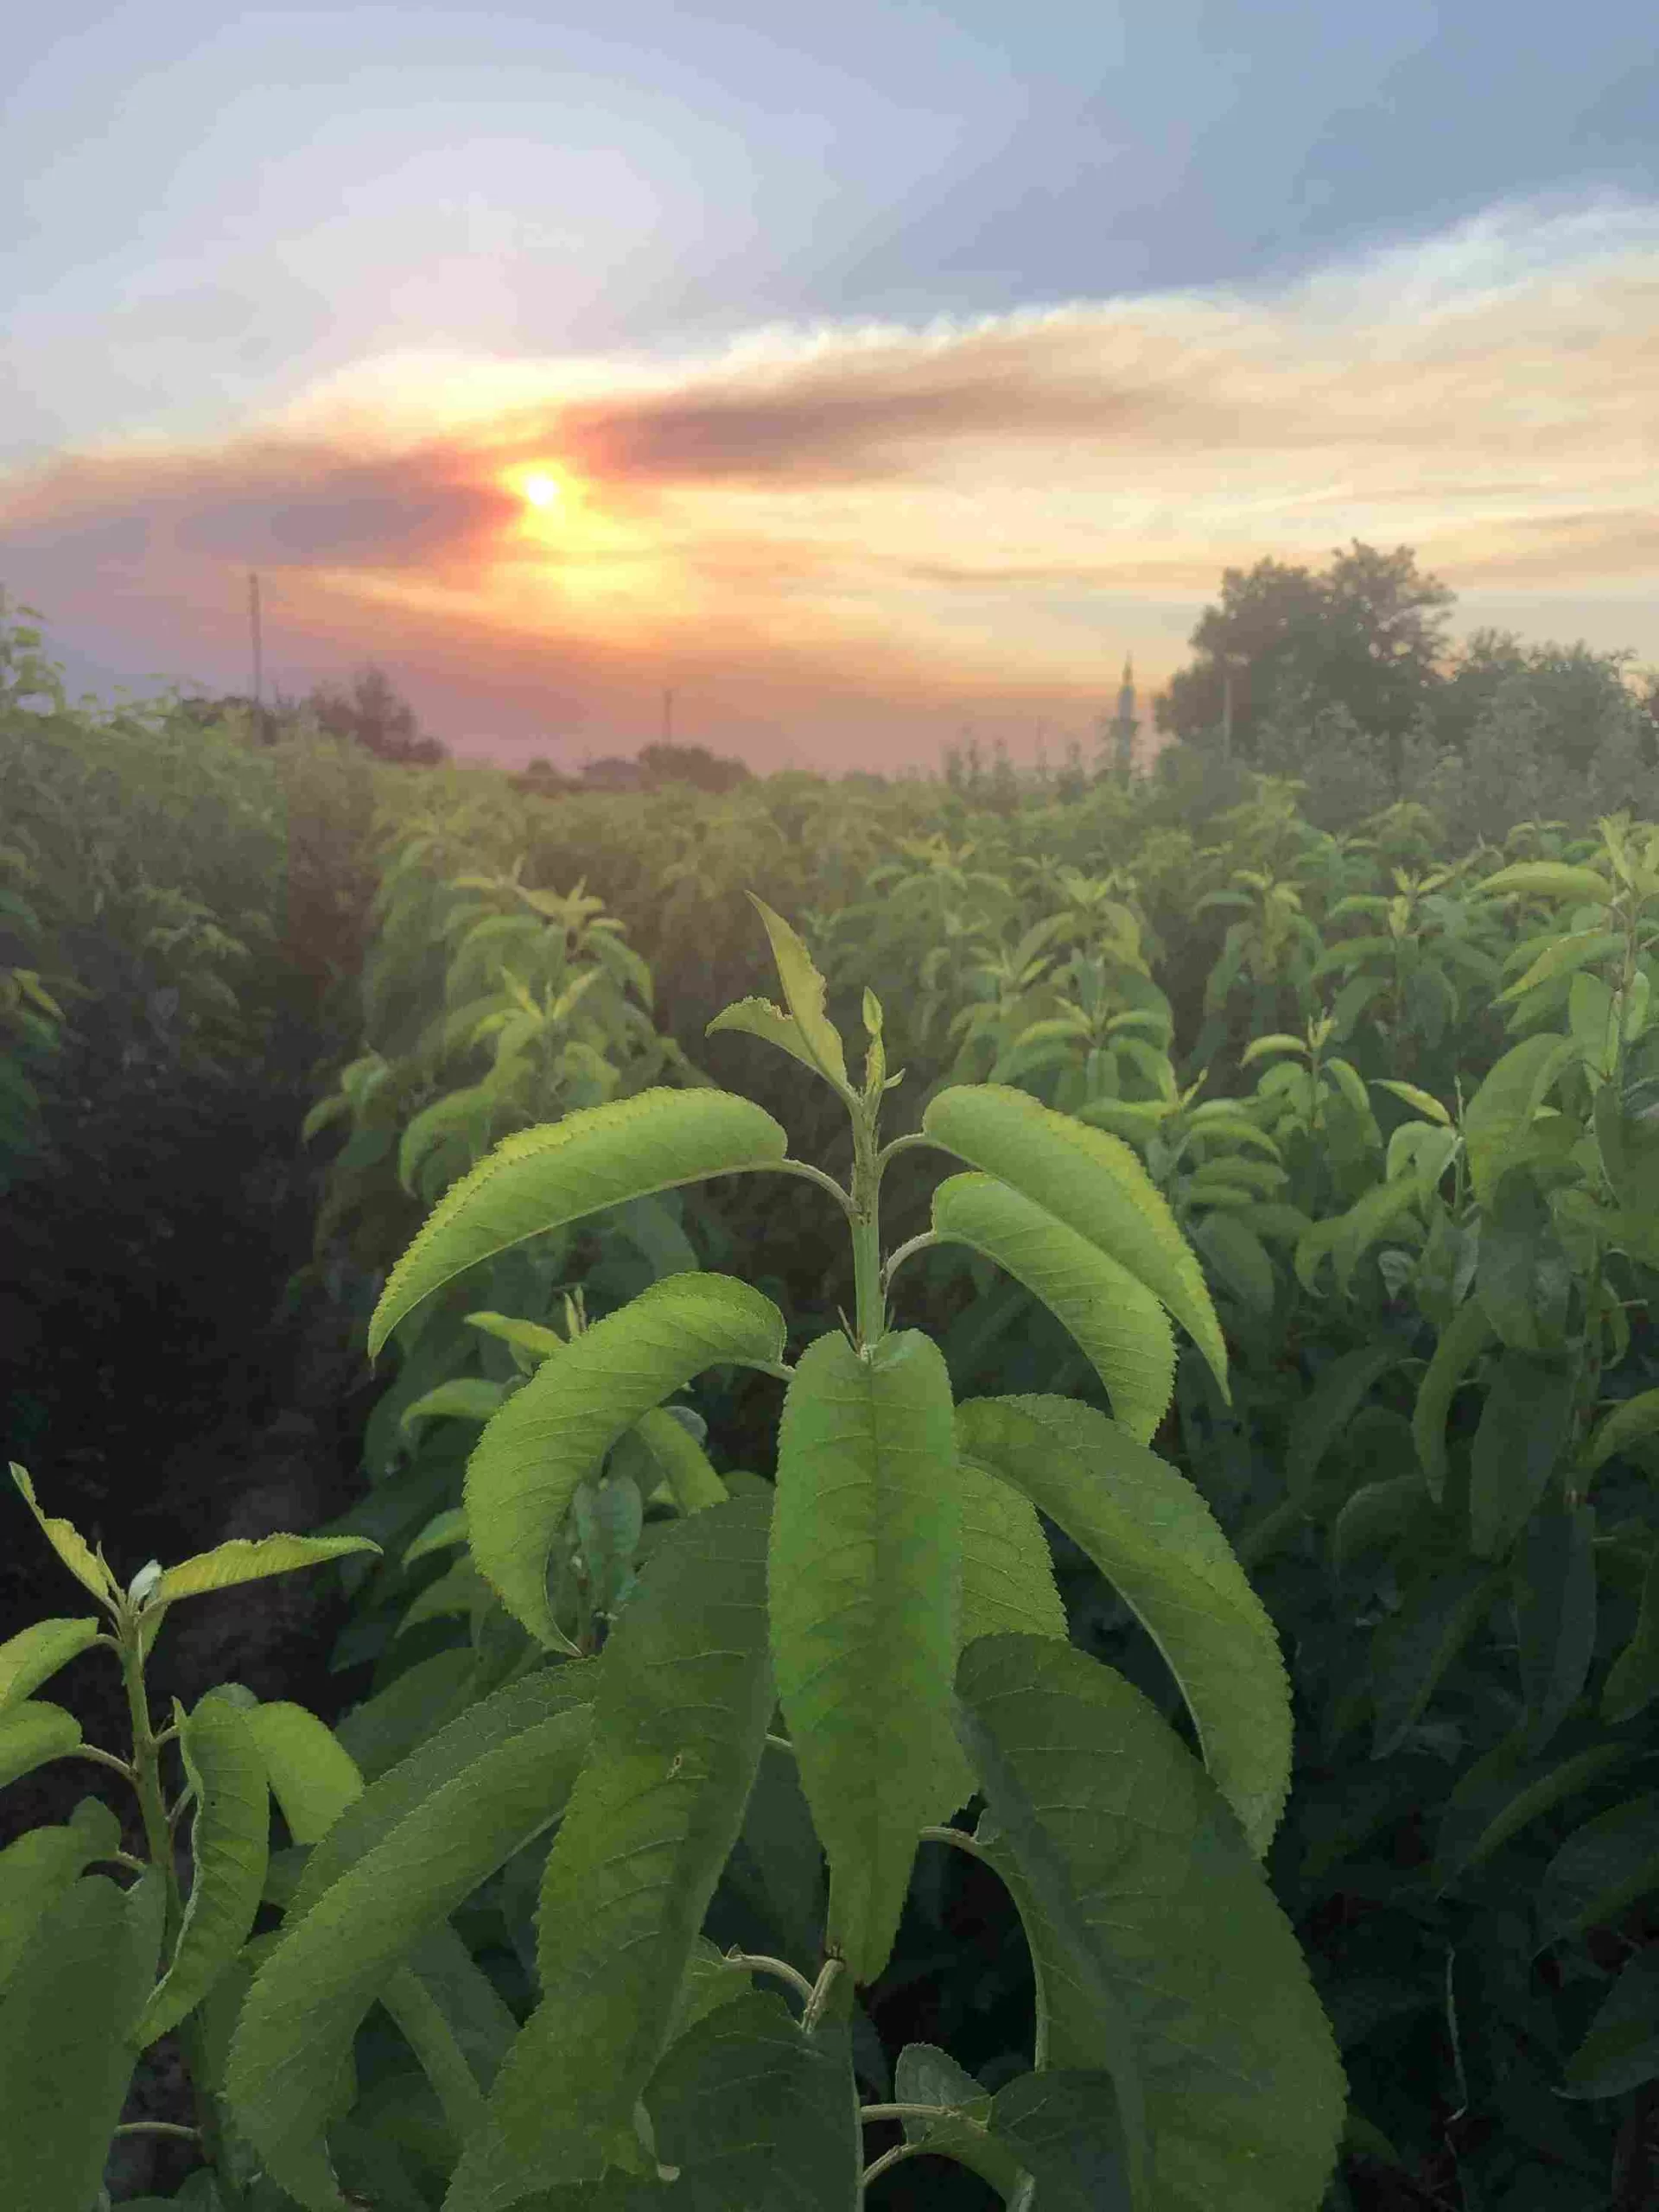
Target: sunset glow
{"type": "Point", "coordinates": [543, 363]}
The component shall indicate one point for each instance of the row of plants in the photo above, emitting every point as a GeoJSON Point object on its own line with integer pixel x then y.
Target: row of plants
{"type": "Point", "coordinates": [1421, 1345]}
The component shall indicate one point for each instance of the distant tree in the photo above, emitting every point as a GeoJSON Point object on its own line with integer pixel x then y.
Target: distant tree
{"type": "Point", "coordinates": [543, 778]}
{"type": "Point", "coordinates": [691, 764]}
{"type": "Point", "coordinates": [1580, 696]}
{"type": "Point", "coordinates": [373, 716]}
{"type": "Point", "coordinates": [1367, 635]}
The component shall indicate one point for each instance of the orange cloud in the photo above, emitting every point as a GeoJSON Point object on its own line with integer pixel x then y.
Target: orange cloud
{"type": "Point", "coordinates": [839, 544]}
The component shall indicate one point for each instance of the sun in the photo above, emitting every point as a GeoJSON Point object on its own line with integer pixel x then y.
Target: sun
{"type": "Point", "coordinates": [543, 489]}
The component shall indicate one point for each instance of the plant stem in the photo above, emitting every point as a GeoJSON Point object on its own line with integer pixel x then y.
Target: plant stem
{"type": "Point", "coordinates": [758, 1962]}
{"type": "Point", "coordinates": [167, 2127]}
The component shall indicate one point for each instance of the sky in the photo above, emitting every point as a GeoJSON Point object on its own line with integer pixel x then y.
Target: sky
{"type": "Point", "coordinates": [863, 376]}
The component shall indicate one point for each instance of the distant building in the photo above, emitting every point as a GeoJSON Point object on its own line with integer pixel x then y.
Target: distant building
{"type": "Point", "coordinates": [1119, 732]}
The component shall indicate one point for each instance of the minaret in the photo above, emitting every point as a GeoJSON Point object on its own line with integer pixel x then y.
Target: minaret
{"type": "Point", "coordinates": [1124, 725]}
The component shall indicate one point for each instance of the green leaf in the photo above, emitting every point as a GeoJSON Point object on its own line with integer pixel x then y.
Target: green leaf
{"type": "Point", "coordinates": [1554, 1597]}
{"type": "Point", "coordinates": [443, 1530]}
{"type": "Point", "coordinates": [1628, 1421]}
{"type": "Point", "coordinates": [1502, 1111]}
{"type": "Point", "coordinates": [1496, 1798]}
{"type": "Point", "coordinates": [595, 1157]}
{"type": "Point", "coordinates": [1411, 1648]}
{"type": "Point", "coordinates": [1151, 1536]}
{"type": "Point", "coordinates": [1090, 1180]}
{"type": "Point", "coordinates": [756, 2116]}
{"type": "Point", "coordinates": [464, 1397]}
{"type": "Point", "coordinates": [311, 1774]}
{"type": "Point", "coordinates": [1633, 1675]}
{"type": "Point", "coordinates": [31, 1734]}
{"type": "Point", "coordinates": [1621, 2051]}
{"type": "Point", "coordinates": [1007, 1587]}
{"type": "Point", "coordinates": [386, 1727]}
{"type": "Point", "coordinates": [251, 1560]}
{"type": "Point", "coordinates": [1235, 1254]}
{"type": "Point", "coordinates": [1600, 1869]}
{"type": "Point", "coordinates": [1464, 1337]}
{"type": "Point", "coordinates": [37, 1870]}
{"type": "Point", "coordinates": [1065, 2127]}
{"type": "Point", "coordinates": [554, 1432]}
{"type": "Point", "coordinates": [35, 1654]}
{"type": "Point", "coordinates": [1561, 956]}
{"type": "Point", "coordinates": [804, 993]}
{"type": "Point", "coordinates": [230, 1841]}
{"type": "Point", "coordinates": [459, 1589]}
{"type": "Point", "coordinates": [1329, 1409]}
{"type": "Point", "coordinates": [924, 2075]}
{"type": "Point", "coordinates": [66, 2050]}
{"type": "Point", "coordinates": [684, 1696]}
{"type": "Point", "coordinates": [1119, 1324]}
{"type": "Point", "coordinates": [1161, 1954]}
{"type": "Point", "coordinates": [528, 1336]}
{"type": "Point", "coordinates": [389, 1869]}
{"type": "Point", "coordinates": [1280, 1041]}
{"type": "Point", "coordinates": [1548, 879]}
{"type": "Point", "coordinates": [87, 1567]}
{"type": "Point", "coordinates": [1376, 1516]}
{"type": "Point", "coordinates": [1523, 1428]}
{"type": "Point", "coordinates": [680, 1460]}
{"type": "Point", "coordinates": [1424, 1101]}
{"type": "Point", "coordinates": [758, 1017]}
{"type": "Point", "coordinates": [865, 1584]}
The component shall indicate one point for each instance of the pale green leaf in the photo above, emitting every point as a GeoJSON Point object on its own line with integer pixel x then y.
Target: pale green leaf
{"type": "Point", "coordinates": [757, 1017]}
{"type": "Point", "coordinates": [554, 1432]}
{"type": "Point", "coordinates": [1089, 1180]}
{"type": "Point", "coordinates": [1549, 879]}
{"type": "Point", "coordinates": [1007, 1586]}
{"type": "Point", "coordinates": [230, 1841]}
{"type": "Point", "coordinates": [35, 1655]}
{"type": "Point", "coordinates": [865, 1579]}
{"type": "Point", "coordinates": [312, 1776]}
{"type": "Point", "coordinates": [680, 1460]}
{"type": "Point", "coordinates": [389, 1869]}
{"type": "Point", "coordinates": [1151, 1536]}
{"type": "Point", "coordinates": [245, 1558]}
{"type": "Point", "coordinates": [528, 1336]}
{"type": "Point", "coordinates": [1120, 1325]}
{"type": "Point", "coordinates": [1564, 955]}
{"type": "Point", "coordinates": [803, 992]}
{"type": "Point", "coordinates": [679, 1721]}
{"type": "Point", "coordinates": [70, 1547]}
{"type": "Point", "coordinates": [1503, 1108]}
{"type": "Point", "coordinates": [464, 1397]}
{"type": "Point", "coordinates": [595, 1157]}
{"type": "Point", "coordinates": [31, 1734]}
{"type": "Point", "coordinates": [1424, 1101]}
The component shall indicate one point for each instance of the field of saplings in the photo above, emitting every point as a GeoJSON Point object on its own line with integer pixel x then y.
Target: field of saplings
{"type": "Point", "coordinates": [831, 1495]}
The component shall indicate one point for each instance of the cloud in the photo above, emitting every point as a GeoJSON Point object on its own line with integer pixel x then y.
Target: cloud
{"type": "Point", "coordinates": [846, 537]}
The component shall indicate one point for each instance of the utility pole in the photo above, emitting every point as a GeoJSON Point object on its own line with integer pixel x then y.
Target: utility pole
{"type": "Point", "coordinates": [1226, 712]}
{"type": "Point", "coordinates": [258, 658]}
